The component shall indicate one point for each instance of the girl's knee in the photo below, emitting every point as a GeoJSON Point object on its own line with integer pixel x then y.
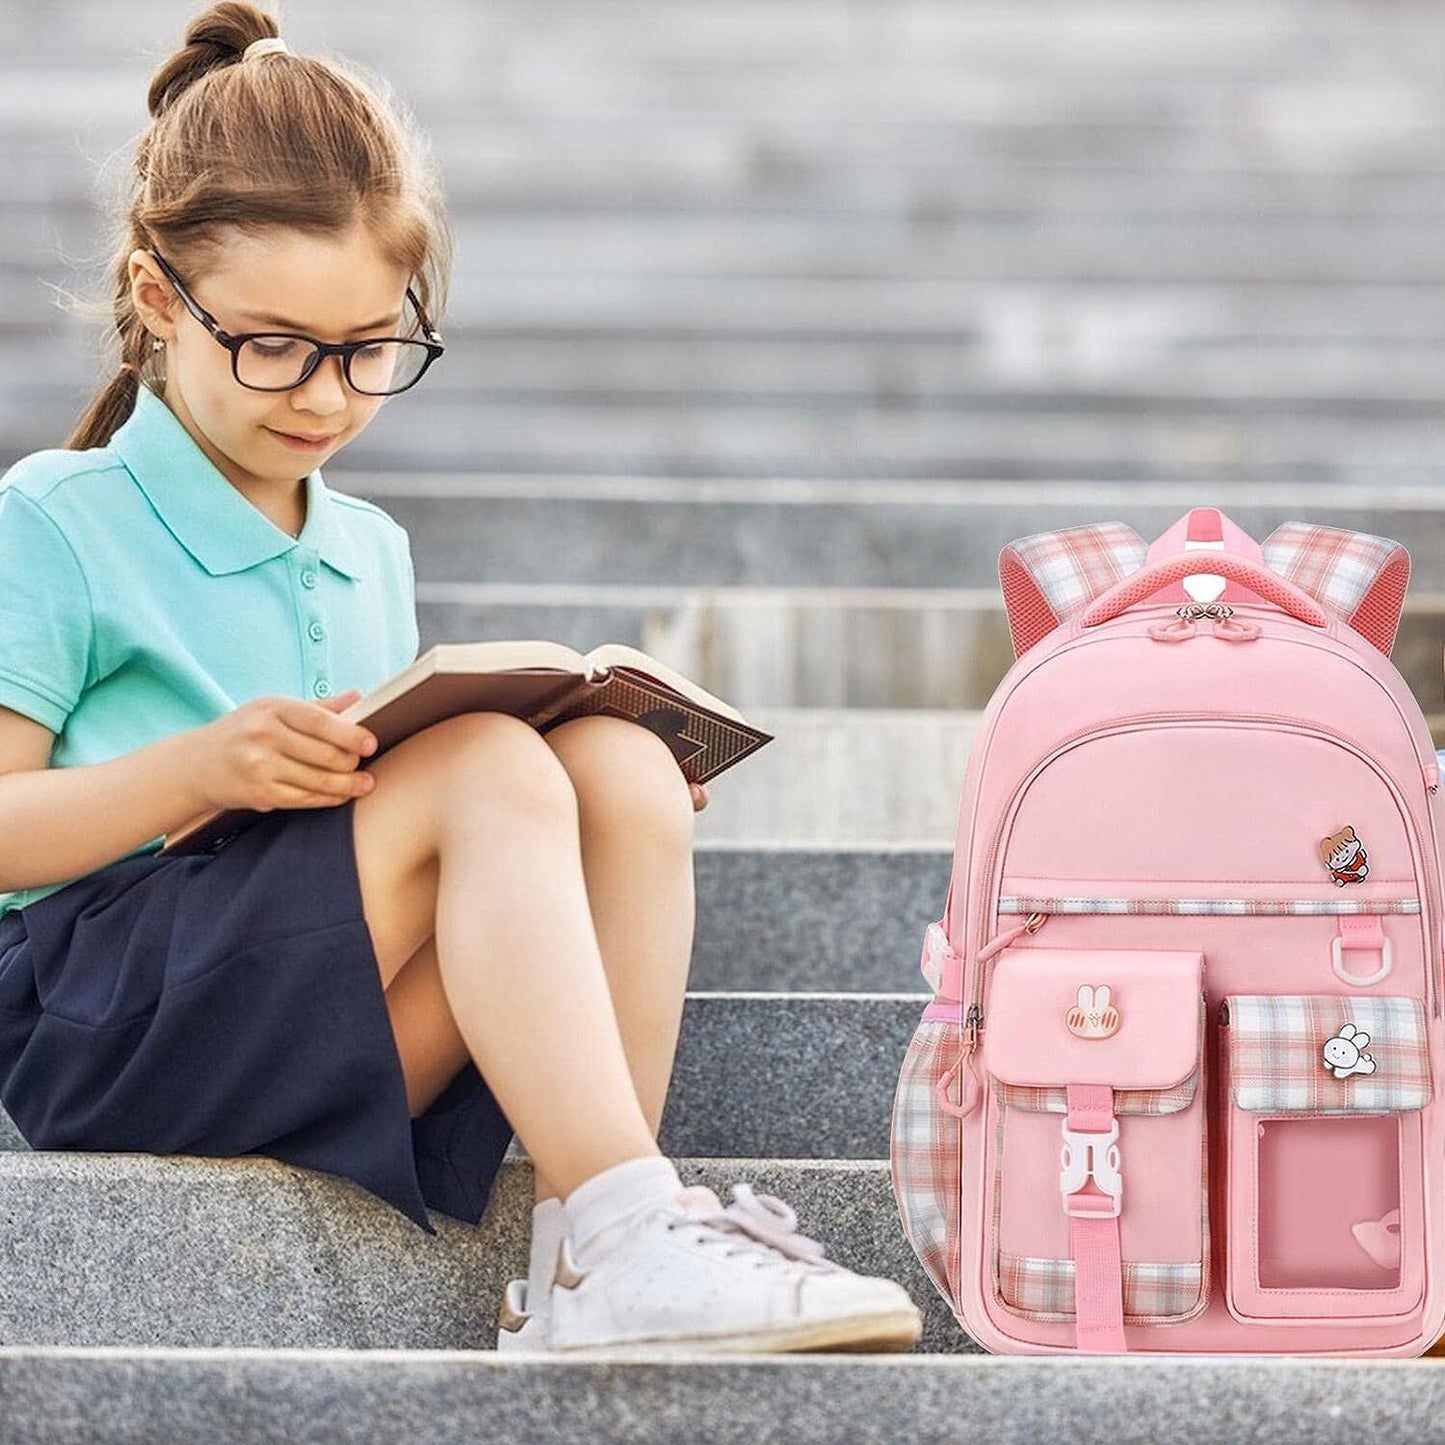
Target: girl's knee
{"type": "Point", "coordinates": [503, 758]}
{"type": "Point", "coordinates": [625, 776]}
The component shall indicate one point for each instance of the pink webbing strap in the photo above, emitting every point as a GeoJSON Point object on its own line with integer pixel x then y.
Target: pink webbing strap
{"type": "Point", "coordinates": [1094, 1218]}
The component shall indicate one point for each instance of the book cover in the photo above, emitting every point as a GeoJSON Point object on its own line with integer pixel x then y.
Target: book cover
{"type": "Point", "coordinates": [543, 683]}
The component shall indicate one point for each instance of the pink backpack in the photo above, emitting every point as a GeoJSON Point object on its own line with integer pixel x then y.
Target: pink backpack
{"type": "Point", "coordinates": [1175, 1089]}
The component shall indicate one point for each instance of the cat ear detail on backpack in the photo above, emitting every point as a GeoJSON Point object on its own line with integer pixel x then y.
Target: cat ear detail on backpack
{"type": "Point", "coordinates": [1174, 1091]}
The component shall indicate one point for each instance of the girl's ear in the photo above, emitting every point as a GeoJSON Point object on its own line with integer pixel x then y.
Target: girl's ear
{"type": "Point", "coordinates": [152, 295]}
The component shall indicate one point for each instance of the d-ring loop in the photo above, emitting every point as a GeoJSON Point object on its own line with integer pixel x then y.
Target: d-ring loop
{"type": "Point", "coordinates": [1387, 956]}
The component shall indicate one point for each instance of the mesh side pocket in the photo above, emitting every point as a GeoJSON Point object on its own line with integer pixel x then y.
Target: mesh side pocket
{"type": "Point", "coordinates": [925, 1157]}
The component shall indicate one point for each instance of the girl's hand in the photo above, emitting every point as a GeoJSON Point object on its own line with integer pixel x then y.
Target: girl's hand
{"type": "Point", "coordinates": [699, 797]}
{"type": "Point", "coordinates": [282, 752]}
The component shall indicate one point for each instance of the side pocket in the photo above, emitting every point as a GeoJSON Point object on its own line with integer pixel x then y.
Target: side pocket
{"type": "Point", "coordinates": [1325, 1156]}
{"type": "Point", "coordinates": [925, 1154]}
{"type": "Point", "coordinates": [1040, 1040]}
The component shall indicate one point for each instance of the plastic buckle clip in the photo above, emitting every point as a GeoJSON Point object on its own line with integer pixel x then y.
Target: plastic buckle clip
{"type": "Point", "coordinates": [1090, 1155]}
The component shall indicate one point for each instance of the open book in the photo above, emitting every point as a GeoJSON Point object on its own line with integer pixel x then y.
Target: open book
{"type": "Point", "coordinates": [544, 683]}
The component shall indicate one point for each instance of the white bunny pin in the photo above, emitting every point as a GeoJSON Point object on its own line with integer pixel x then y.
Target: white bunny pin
{"type": "Point", "coordinates": [1345, 1053]}
{"type": "Point", "coordinates": [1093, 1017]}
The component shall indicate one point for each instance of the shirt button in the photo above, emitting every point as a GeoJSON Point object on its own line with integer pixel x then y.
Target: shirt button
{"type": "Point", "coordinates": [322, 688]}
{"type": "Point", "coordinates": [308, 578]}
{"type": "Point", "coordinates": [316, 632]}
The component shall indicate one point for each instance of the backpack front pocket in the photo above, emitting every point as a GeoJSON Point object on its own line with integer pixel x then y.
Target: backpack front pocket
{"type": "Point", "coordinates": [1096, 1061]}
{"type": "Point", "coordinates": [1325, 1156]}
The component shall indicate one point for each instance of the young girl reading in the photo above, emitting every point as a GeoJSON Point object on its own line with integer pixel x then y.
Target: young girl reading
{"type": "Point", "coordinates": [485, 928]}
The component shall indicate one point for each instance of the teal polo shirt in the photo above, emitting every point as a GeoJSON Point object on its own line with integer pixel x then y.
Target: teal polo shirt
{"type": "Point", "coordinates": [142, 595]}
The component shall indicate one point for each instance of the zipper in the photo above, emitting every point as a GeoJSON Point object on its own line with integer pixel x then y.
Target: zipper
{"type": "Point", "coordinates": [973, 1021]}
{"type": "Point", "coordinates": [1303, 636]}
{"type": "Point", "coordinates": [973, 1016]}
{"type": "Point", "coordinates": [1145, 721]}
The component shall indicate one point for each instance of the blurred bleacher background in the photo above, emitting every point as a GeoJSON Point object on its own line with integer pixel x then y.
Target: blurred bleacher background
{"type": "Point", "coordinates": [773, 322]}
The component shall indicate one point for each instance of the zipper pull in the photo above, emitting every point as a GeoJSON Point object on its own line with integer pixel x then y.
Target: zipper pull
{"type": "Point", "coordinates": [971, 1025]}
{"type": "Point", "coordinates": [997, 944]}
{"type": "Point", "coordinates": [1229, 630]}
{"type": "Point", "coordinates": [1181, 630]}
{"type": "Point", "coordinates": [970, 1086]}
{"type": "Point", "coordinates": [1224, 1013]}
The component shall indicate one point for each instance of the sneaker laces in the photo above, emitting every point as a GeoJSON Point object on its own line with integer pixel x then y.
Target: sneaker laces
{"type": "Point", "coordinates": [764, 1221]}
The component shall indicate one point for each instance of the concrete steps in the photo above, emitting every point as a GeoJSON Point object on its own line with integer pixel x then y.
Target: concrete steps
{"type": "Point", "coordinates": [1262, 249]}
{"type": "Point", "coordinates": [812, 647]}
{"type": "Point", "coordinates": [127, 1249]}
{"type": "Point", "coordinates": [66, 1396]}
{"type": "Point", "coordinates": [1178, 366]}
{"type": "Point", "coordinates": [785, 530]}
{"type": "Point", "coordinates": [248, 1300]}
{"type": "Point", "coordinates": [440, 432]}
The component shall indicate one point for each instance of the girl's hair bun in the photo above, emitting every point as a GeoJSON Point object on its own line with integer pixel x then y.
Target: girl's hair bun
{"type": "Point", "coordinates": [215, 38]}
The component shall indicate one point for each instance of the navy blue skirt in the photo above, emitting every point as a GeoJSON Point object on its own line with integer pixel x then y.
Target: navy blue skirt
{"type": "Point", "coordinates": [228, 1004]}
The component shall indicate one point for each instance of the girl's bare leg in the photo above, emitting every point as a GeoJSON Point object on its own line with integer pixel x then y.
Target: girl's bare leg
{"type": "Point", "coordinates": [472, 833]}
{"type": "Point", "coordinates": [637, 838]}
{"type": "Point", "coordinates": [636, 835]}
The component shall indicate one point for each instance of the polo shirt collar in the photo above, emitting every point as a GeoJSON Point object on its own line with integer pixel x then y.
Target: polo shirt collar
{"type": "Point", "coordinates": [205, 513]}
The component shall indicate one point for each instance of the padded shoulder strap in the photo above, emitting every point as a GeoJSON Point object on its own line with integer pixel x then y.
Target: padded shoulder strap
{"type": "Point", "coordinates": [1048, 575]}
{"type": "Point", "coordinates": [1361, 577]}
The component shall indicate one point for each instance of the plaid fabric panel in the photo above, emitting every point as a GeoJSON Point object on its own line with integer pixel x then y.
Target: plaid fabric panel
{"type": "Point", "coordinates": [926, 1154]}
{"type": "Point", "coordinates": [1046, 1287]}
{"type": "Point", "coordinates": [1277, 1062]}
{"type": "Point", "coordinates": [1243, 907]}
{"type": "Point", "coordinates": [1334, 565]}
{"type": "Point", "coordinates": [1074, 566]}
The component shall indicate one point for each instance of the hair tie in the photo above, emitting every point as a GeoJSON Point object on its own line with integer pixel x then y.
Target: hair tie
{"type": "Point", "coordinates": [131, 367]}
{"type": "Point", "coordinates": [265, 46]}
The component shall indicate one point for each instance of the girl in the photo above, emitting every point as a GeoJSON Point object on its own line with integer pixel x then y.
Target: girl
{"type": "Point", "coordinates": [482, 930]}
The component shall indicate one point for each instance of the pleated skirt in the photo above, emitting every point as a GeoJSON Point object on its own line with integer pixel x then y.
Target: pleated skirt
{"type": "Point", "coordinates": [231, 1004]}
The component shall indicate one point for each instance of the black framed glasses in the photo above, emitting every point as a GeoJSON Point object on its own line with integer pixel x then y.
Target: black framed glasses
{"type": "Point", "coordinates": [282, 360]}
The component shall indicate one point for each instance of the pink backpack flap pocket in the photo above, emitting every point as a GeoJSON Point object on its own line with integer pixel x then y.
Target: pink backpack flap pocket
{"type": "Point", "coordinates": [1098, 1196]}
{"type": "Point", "coordinates": [1325, 1155]}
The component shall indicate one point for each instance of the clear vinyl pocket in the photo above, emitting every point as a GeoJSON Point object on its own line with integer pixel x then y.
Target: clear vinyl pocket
{"type": "Point", "coordinates": [1324, 1156]}
{"type": "Point", "coordinates": [1111, 1040]}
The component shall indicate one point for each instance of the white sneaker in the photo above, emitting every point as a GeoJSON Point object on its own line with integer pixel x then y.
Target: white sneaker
{"type": "Point", "coordinates": [517, 1327]}
{"type": "Point", "coordinates": [691, 1275]}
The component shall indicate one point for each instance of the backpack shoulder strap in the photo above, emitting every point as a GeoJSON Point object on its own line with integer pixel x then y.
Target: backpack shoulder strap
{"type": "Point", "coordinates": [1360, 577]}
{"type": "Point", "coordinates": [1048, 575]}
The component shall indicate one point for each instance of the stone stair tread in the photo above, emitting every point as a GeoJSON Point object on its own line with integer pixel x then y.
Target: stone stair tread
{"type": "Point", "coordinates": [251, 1251]}
{"type": "Point", "coordinates": [1286, 375]}
{"type": "Point", "coordinates": [56, 1396]}
{"type": "Point", "coordinates": [577, 252]}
